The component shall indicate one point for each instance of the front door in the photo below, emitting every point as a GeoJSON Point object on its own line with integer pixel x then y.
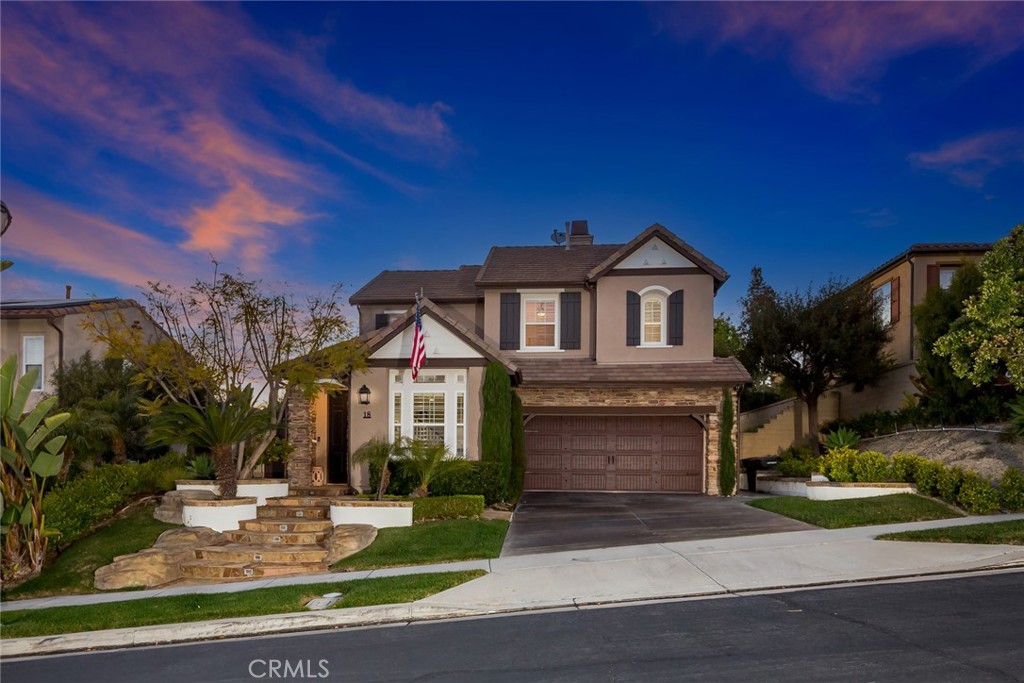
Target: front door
{"type": "Point", "coordinates": [337, 439]}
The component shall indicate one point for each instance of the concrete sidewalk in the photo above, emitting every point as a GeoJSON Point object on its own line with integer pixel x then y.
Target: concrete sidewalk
{"type": "Point", "coordinates": [576, 578]}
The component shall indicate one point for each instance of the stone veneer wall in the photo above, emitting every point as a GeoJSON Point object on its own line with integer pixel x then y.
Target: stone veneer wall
{"type": "Point", "coordinates": [302, 434]}
{"type": "Point", "coordinates": [638, 397]}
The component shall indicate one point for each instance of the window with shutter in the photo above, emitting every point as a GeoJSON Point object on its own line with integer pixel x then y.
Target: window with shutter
{"type": "Point", "coordinates": [675, 318]}
{"type": "Point", "coordinates": [509, 325]}
{"type": "Point", "coordinates": [571, 326]}
{"type": "Point", "coordinates": [632, 319]}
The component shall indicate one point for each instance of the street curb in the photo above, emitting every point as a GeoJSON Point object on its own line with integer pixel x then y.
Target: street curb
{"type": "Point", "coordinates": [406, 613]}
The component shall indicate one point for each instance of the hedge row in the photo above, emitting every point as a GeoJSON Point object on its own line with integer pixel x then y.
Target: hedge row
{"type": "Point", "coordinates": [447, 507]}
{"type": "Point", "coordinates": [81, 503]}
{"type": "Point", "coordinates": [953, 484]}
{"type": "Point", "coordinates": [487, 479]}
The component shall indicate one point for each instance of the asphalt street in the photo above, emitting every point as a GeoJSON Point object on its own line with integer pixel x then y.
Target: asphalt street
{"type": "Point", "coordinates": [966, 629]}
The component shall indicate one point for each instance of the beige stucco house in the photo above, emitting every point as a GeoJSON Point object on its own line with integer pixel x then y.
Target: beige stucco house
{"type": "Point", "coordinates": [609, 346]}
{"type": "Point", "coordinates": [46, 333]}
{"type": "Point", "coordinates": [898, 285]}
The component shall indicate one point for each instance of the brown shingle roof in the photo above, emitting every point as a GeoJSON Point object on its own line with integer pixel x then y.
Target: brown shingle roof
{"type": "Point", "coordinates": [928, 248]}
{"type": "Point", "coordinates": [584, 371]}
{"type": "Point", "coordinates": [400, 286]}
{"type": "Point", "coordinates": [542, 265]}
{"type": "Point", "coordinates": [55, 308]}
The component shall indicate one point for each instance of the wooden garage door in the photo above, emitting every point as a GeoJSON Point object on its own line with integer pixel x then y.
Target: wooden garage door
{"type": "Point", "coordinates": [614, 453]}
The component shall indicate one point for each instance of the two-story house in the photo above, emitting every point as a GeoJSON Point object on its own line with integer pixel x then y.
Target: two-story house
{"type": "Point", "coordinates": [609, 346]}
{"type": "Point", "coordinates": [46, 333]}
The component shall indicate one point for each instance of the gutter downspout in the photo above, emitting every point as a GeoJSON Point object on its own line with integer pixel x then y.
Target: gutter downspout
{"type": "Point", "coordinates": [910, 311]}
{"type": "Point", "coordinates": [60, 347]}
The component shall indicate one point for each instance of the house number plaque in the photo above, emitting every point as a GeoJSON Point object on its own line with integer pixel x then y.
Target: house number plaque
{"type": "Point", "coordinates": [366, 414]}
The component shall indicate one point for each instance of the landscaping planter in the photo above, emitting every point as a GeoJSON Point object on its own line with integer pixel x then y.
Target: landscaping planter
{"type": "Point", "coordinates": [381, 514]}
{"type": "Point", "coordinates": [261, 489]}
{"type": "Point", "coordinates": [197, 485]}
{"type": "Point", "coordinates": [835, 490]}
{"type": "Point", "coordinates": [782, 486]}
{"type": "Point", "coordinates": [219, 515]}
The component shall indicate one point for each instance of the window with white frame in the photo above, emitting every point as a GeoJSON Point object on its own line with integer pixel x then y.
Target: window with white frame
{"type": "Point", "coordinates": [540, 321]}
{"type": "Point", "coordinates": [883, 303]}
{"type": "Point", "coordinates": [653, 307]}
{"type": "Point", "coordinates": [946, 274]}
{"type": "Point", "coordinates": [433, 408]}
{"type": "Point", "coordinates": [32, 354]}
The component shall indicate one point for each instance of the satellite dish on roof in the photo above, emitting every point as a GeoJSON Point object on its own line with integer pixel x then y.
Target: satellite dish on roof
{"type": "Point", "coordinates": [558, 237]}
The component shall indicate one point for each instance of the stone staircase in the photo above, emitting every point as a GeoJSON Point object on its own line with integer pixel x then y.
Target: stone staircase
{"type": "Point", "coordinates": [285, 539]}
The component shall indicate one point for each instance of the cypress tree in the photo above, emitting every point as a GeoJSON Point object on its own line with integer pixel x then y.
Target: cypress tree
{"type": "Point", "coordinates": [495, 432]}
{"type": "Point", "coordinates": [726, 450]}
{"type": "Point", "coordinates": [518, 448]}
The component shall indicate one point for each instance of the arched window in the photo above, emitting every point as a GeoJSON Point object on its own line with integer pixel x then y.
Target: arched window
{"type": "Point", "coordinates": [653, 309]}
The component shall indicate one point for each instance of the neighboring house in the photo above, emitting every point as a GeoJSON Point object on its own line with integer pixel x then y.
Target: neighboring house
{"type": "Point", "coordinates": [45, 333]}
{"type": "Point", "coordinates": [898, 285]}
{"type": "Point", "coordinates": [609, 346]}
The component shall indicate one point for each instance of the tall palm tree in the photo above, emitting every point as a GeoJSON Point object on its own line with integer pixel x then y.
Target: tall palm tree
{"type": "Point", "coordinates": [220, 428]}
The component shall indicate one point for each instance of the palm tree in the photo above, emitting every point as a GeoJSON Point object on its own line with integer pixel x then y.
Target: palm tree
{"type": "Point", "coordinates": [124, 422]}
{"type": "Point", "coordinates": [377, 452]}
{"type": "Point", "coordinates": [426, 460]}
{"type": "Point", "coordinates": [88, 431]}
{"type": "Point", "coordinates": [220, 428]}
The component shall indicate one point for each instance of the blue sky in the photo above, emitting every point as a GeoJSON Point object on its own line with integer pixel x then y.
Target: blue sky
{"type": "Point", "coordinates": [323, 142]}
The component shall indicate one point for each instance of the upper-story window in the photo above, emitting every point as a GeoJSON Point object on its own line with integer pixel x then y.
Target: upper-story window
{"type": "Point", "coordinates": [883, 303]}
{"type": "Point", "coordinates": [654, 316]}
{"type": "Point", "coordinates": [946, 274]}
{"type": "Point", "coordinates": [32, 353]}
{"type": "Point", "coordinates": [540, 321]}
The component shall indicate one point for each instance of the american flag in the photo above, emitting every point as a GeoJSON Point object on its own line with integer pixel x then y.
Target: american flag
{"type": "Point", "coordinates": [419, 345]}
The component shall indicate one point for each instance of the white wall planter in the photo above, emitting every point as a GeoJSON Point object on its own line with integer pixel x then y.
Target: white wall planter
{"type": "Point", "coordinates": [381, 514]}
{"type": "Point", "coordinates": [782, 486]}
{"type": "Point", "coordinates": [197, 485]}
{"type": "Point", "coordinates": [219, 515]}
{"type": "Point", "coordinates": [835, 490]}
{"type": "Point", "coordinates": [261, 489]}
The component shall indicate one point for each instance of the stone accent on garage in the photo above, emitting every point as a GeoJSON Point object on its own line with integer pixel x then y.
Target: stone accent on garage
{"type": "Point", "coordinates": [646, 397]}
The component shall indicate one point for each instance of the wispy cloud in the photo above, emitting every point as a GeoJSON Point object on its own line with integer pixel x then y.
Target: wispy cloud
{"type": "Point", "coordinates": [841, 49]}
{"type": "Point", "coordinates": [970, 160]}
{"type": "Point", "coordinates": [180, 89]}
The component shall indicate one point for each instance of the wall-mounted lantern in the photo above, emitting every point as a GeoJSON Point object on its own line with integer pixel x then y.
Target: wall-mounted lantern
{"type": "Point", "coordinates": [364, 395]}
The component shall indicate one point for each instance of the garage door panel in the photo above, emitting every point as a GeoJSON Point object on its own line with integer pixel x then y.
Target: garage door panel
{"type": "Point", "coordinates": [624, 453]}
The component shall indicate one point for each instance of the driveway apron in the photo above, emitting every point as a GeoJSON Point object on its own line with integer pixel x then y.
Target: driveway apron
{"type": "Point", "coordinates": [552, 521]}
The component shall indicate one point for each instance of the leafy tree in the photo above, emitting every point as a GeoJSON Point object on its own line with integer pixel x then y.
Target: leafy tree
{"type": "Point", "coordinates": [86, 378]}
{"type": "Point", "coordinates": [987, 343]}
{"type": "Point", "coordinates": [518, 447]}
{"type": "Point", "coordinates": [495, 430]}
{"type": "Point", "coordinates": [728, 341]}
{"type": "Point", "coordinates": [217, 428]}
{"type": "Point", "coordinates": [943, 396]}
{"type": "Point", "coordinates": [726, 449]}
{"type": "Point", "coordinates": [814, 339]}
{"type": "Point", "coordinates": [30, 455]}
{"type": "Point", "coordinates": [229, 333]}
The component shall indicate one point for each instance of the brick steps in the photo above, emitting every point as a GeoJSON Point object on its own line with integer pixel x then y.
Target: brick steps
{"type": "Point", "coordinates": [299, 501]}
{"type": "Point", "coordinates": [244, 552]}
{"type": "Point", "coordinates": [217, 570]}
{"type": "Point", "coordinates": [293, 512]}
{"type": "Point", "coordinates": [286, 525]}
{"type": "Point", "coordinates": [274, 538]}
{"type": "Point", "coordinates": [326, 491]}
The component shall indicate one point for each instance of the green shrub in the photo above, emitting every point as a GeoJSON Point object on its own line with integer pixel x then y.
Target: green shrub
{"type": "Point", "coordinates": [838, 465]}
{"type": "Point", "coordinates": [871, 466]}
{"type": "Point", "coordinates": [90, 498]}
{"type": "Point", "coordinates": [1017, 418]}
{"type": "Point", "coordinates": [950, 481]}
{"type": "Point", "coordinates": [159, 475]}
{"type": "Point", "coordinates": [726, 448]}
{"type": "Point", "coordinates": [518, 450]}
{"type": "Point", "coordinates": [796, 468]}
{"type": "Point", "coordinates": [926, 477]}
{"type": "Point", "coordinates": [496, 421]}
{"type": "Point", "coordinates": [842, 438]}
{"type": "Point", "coordinates": [202, 467]}
{"type": "Point", "coordinates": [401, 483]}
{"type": "Point", "coordinates": [904, 466]}
{"type": "Point", "coordinates": [447, 507]}
{"type": "Point", "coordinates": [1011, 489]}
{"type": "Point", "coordinates": [487, 479]}
{"type": "Point", "coordinates": [977, 496]}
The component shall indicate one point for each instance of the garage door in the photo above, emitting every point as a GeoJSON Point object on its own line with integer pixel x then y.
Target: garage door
{"type": "Point", "coordinates": [614, 453]}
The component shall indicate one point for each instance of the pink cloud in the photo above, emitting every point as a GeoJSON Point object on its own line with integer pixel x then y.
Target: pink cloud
{"type": "Point", "coordinates": [841, 48]}
{"type": "Point", "coordinates": [971, 159]}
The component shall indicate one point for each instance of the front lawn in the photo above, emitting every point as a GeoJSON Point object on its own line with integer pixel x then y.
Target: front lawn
{"type": "Point", "coordinates": [447, 540]}
{"type": "Point", "coordinates": [72, 572]}
{"type": "Point", "coordinates": [840, 514]}
{"type": "Point", "coordinates": [1008, 533]}
{"type": "Point", "coordinates": [201, 607]}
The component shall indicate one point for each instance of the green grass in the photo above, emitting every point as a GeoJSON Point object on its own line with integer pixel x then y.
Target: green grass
{"type": "Point", "coordinates": [200, 607]}
{"type": "Point", "coordinates": [1008, 533]}
{"type": "Point", "coordinates": [839, 514]}
{"type": "Point", "coordinates": [448, 540]}
{"type": "Point", "coordinates": [72, 572]}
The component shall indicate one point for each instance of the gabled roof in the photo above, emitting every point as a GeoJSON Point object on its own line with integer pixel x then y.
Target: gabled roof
{"type": "Point", "coordinates": [926, 249]}
{"type": "Point", "coordinates": [400, 286]}
{"type": "Point", "coordinates": [542, 265]}
{"type": "Point", "coordinates": [453, 322]}
{"type": "Point", "coordinates": [55, 308]}
{"type": "Point", "coordinates": [658, 230]}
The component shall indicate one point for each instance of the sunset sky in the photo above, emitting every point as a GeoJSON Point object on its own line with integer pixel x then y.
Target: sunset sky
{"type": "Point", "coordinates": [323, 142]}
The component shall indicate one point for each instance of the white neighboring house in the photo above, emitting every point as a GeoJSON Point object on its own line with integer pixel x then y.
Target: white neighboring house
{"type": "Point", "coordinates": [46, 333]}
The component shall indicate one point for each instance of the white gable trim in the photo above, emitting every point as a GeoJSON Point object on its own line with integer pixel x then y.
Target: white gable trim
{"type": "Point", "coordinates": [441, 342]}
{"type": "Point", "coordinates": [655, 253]}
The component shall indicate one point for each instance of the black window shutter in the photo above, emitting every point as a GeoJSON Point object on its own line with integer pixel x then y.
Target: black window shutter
{"type": "Point", "coordinates": [380, 321]}
{"type": "Point", "coordinates": [675, 318]}
{"type": "Point", "coordinates": [632, 319]}
{"type": "Point", "coordinates": [510, 321]}
{"type": "Point", "coordinates": [570, 337]}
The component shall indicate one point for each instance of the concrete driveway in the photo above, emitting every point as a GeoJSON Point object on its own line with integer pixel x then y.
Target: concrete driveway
{"type": "Point", "coordinates": [551, 521]}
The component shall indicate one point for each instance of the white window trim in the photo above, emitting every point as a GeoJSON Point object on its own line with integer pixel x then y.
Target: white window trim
{"type": "Point", "coordinates": [42, 360]}
{"type": "Point", "coordinates": [662, 294]}
{"type": "Point", "coordinates": [538, 295]}
{"type": "Point", "coordinates": [884, 312]}
{"type": "Point", "coordinates": [450, 388]}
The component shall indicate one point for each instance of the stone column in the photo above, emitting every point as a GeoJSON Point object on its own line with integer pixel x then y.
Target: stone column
{"type": "Point", "coordinates": [301, 435]}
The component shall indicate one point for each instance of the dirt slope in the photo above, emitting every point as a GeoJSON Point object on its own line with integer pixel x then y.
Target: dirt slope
{"type": "Point", "coordinates": [986, 453]}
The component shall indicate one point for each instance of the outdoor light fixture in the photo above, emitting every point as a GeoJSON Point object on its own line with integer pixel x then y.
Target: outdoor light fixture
{"type": "Point", "coordinates": [364, 395]}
